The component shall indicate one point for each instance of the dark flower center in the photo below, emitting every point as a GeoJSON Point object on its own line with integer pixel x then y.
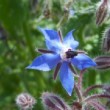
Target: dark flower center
{"type": "Point", "coordinates": [71, 54]}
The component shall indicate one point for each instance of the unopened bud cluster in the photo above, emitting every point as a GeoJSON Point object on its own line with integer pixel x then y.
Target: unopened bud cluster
{"type": "Point", "coordinates": [106, 41]}
{"type": "Point", "coordinates": [25, 101]}
{"type": "Point", "coordinates": [102, 12]}
{"type": "Point", "coordinates": [103, 62]}
{"type": "Point", "coordinates": [53, 102]}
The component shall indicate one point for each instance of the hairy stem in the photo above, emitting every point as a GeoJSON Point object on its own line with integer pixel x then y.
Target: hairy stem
{"type": "Point", "coordinates": [79, 94]}
{"type": "Point", "coordinates": [96, 105]}
{"type": "Point", "coordinates": [85, 93]}
{"type": "Point", "coordinates": [96, 96]}
{"type": "Point", "coordinates": [80, 80]}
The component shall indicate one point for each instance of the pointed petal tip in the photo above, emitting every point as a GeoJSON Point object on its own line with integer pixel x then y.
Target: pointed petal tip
{"type": "Point", "coordinates": [39, 28]}
{"type": "Point", "coordinates": [28, 67]}
{"type": "Point", "coordinates": [37, 68]}
{"type": "Point", "coordinates": [73, 30]}
{"type": "Point", "coordinates": [69, 93]}
{"type": "Point", "coordinates": [70, 41]}
{"type": "Point", "coordinates": [42, 30]}
{"type": "Point", "coordinates": [93, 63]}
{"type": "Point", "coordinates": [44, 62]}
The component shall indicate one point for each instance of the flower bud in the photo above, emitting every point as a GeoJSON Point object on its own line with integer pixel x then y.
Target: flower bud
{"type": "Point", "coordinates": [102, 12]}
{"type": "Point", "coordinates": [103, 62]}
{"type": "Point", "coordinates": [106, 41]}
{"type": "Point", "coordinates": [46, 13]}
{"type": "Point", "coordinates": [25, 101]}
{"type": "Point", "coordinates": [53, 102]}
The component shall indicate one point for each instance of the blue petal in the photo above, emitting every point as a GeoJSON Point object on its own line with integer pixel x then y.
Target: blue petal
{"type": "Point", "coordinates": [45, 62]}
{"type": "Point", "coordinates": [82, 61]}
{"type": "Point", "coordinates": [52, 39]}
{"type": "Point", "coordinates": [69, 40]}
{"type": "Point", "coordinates": [66, 78]}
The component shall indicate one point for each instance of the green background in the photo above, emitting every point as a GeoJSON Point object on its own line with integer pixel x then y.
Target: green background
{"type": "Point", "coordinates": [19, 37]}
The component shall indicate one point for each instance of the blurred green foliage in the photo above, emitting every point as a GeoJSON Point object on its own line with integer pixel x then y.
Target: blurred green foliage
{"type": "Point", "coordinates": [19, 38]}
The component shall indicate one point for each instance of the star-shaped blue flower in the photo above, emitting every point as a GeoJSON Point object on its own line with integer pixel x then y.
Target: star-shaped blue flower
{"type": "Point", "coordinates": [61, 54]}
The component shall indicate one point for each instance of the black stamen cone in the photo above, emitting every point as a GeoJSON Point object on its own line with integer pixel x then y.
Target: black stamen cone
{"type": "Point", "coordinates": [71, 54]}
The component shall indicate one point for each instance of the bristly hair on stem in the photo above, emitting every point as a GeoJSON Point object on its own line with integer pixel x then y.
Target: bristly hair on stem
{"type": "Point", "coordinates": [54, 102]}
{"type": "Point", "coordinates": [89, 98]}
{"type": "Point", "coordinates": [85, 93]}
{"type": "Point", "coordinates": [80, 79]}
{"type": "Point", "coordinates": [79, 94]}
{"type": "Point", "coordinates": [96, 104]}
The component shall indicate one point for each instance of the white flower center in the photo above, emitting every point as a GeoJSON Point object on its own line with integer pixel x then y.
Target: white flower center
{"type": "Point", "coordinates": [63, 54]}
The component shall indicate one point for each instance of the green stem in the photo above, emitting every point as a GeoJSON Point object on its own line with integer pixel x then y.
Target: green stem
{"type": "Point", "coordinates": [28, 38]}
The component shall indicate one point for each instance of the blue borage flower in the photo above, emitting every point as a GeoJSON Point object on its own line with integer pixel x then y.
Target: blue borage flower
{"type": "Point", "coordinates": [59, 55]}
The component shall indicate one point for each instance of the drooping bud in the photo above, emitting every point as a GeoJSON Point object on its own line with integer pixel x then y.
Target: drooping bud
{"type": "Point", "coordinates": [46, 11]}
{"type": "Point", "coordinates": [102, 12]}
{"type": "Point", "coordinates": [53, 102]}
{"type": "Point", "coordinates": [103, 62]}
{"type": "Point", "coordinates": [106, 41]}
{"type": "Point", "coordinates": [25, 101]}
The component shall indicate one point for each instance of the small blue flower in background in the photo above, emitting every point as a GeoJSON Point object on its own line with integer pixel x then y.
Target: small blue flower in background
{"type": "Point", "coordinates": [61, 54]}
